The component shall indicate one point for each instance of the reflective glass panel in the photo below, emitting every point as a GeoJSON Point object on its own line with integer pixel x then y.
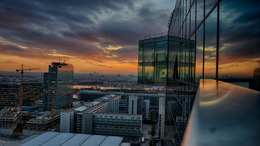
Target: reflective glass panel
{"type": "Point", "coordinates": [210, 45]}
{"type": "Point", "coordinates": [200, 11]}
{"type": "Point", "coordinates": [149, 52]}
{"type": "Point", "coordinates": [199, 53]}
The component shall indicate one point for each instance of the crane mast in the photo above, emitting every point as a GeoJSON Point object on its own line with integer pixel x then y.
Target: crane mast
{"type": "Point", "coordinates": [19, 129]}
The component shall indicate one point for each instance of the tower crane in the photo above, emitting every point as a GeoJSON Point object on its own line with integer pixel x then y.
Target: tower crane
{"type": "Point", "coordinates": [21, 97]}
{"type": "Point", "coordinates": [53, 94]}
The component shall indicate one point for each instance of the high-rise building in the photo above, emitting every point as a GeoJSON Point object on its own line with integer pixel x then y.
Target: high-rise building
{"type": "Point", "coordinates": [60, 80]}
{"type": "Point", "coordinates": [159, 64]}
{"type": "Point", "coordinates": [207, 39]}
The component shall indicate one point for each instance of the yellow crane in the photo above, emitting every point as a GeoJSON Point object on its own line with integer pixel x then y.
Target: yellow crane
{"type": "Point", "coordinates": [21, 95]}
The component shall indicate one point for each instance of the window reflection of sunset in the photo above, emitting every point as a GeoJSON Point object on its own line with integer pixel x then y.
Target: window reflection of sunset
{"type": "Point", "coordinates": [209, 49]}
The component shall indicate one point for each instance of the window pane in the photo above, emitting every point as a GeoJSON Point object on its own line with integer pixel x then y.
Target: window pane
{"type": "Point", "coordinates": [140, 71]}
{"type": "Point", "coordinates": [199, 53]}
{"type": "Point", "coordinates": [192, 57]}
{"type": "Point", "coordinates": [210, 45]}
{"type": "Point", "coordinates": [148, 72]}
{"type": "Point", "coordinates": [160, 72]}
{"type": "Point", "coordinates": [200, 11]}
{"type": "Point", "coordinates": [149, 52]}
{"type": "Point", "coordinates": [193, 18]}
{"type": "Point", "coordinates": [140, 53]}
{"type": "Point", "coordinates": [209, 4]}
{"type": "Point", "coordinates": [161, 51]}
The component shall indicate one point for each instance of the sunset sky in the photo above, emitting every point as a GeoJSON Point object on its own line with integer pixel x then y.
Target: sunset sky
{"type": "Point", "coordinates": [93, 35]}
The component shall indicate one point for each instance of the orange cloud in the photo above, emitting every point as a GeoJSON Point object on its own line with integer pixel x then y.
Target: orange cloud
{"type": "Point", "coordinates": [114, 47]}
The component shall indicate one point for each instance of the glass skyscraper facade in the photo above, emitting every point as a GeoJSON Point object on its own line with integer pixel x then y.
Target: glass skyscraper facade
{"type": "Point", "coordinates": [60, 79]}
{"type": "Point", "coordinates": [207, 39]}
{"type": "Point", "coordinates": [160, 61]}
{"type": "Point", "coordinates": [226, 35]}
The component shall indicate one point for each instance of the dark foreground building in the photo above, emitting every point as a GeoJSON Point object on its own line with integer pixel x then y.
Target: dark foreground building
{"type": "Point", "coordinates": [208, 41]}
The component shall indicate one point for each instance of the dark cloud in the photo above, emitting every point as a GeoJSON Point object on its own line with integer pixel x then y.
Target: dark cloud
{"type": "Point", "coordinates": [239, 30]}
{"type": "Point", "coordinates": [81, 28]}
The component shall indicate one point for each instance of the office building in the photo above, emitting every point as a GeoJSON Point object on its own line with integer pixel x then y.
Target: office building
{"type": "Point", "coordinates": [113, 104]}
{"type": "Point", "coordinates": [117, 124]}
{"type": "Point", "coordinates": [60, 79]}
{"type": "Point", "coordinates": [82, 113]}
{"type": "Point", "coordinates": [147, 108]}
{"type": "Point", "coordinates": [67, 122]}
{"type": "Point", "coordinates": [9, 95]}
{"type": "Point", "coordinates": [158, 63]}
{"type": "Point", "coordinates": [132, 105]}
{"type": "Point", "coordinates": [32, 92]}
{"type": "Point", "coordinates": [161, 116]}
{"type": "Point", "coordinates": [210, 39]}
{"type": "Point", "coordinates": [123, 106]}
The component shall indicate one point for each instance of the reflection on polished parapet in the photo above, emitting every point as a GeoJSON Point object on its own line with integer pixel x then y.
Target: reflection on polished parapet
{"type": "Point", "coordinates": [224, 114]}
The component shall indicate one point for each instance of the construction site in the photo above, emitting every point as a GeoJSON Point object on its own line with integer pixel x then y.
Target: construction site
{"type": "Point", "coordinates": [20, 119]}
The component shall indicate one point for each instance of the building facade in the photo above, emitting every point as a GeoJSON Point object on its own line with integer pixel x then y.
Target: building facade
{"type": "Point", "coordinates": [213, 39]}
{"type": "Point", "coordinates": [60, 79]}
{"type": "Point", "coordinates": [113, 104]}
{"type": "Point", "coordinates": [118, 124]}
{"type": "Point", "coordinates": [67, 122]}
{"type": "Point", "coordinates": [10, 93]}
{"type": "Point", "coordinates": [32, 92]}
{"type": "Point", "coordinates": [158, 62]}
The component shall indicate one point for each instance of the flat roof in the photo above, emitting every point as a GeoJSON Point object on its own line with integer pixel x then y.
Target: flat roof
{"type": "Point", "coordinates": [68, 139]}
{"type": "Point", "coordinates": [41, 139]}
{"type": "Point", "coordinates": [112, 141]}
{"type": "Point", "coordinates": [94, 140]}
{"type": "Point", "coordinates": [76, 140]}
{"type": "Point", "coordinates": [59, 139]}
{"type": "Point", "coordinates": [80, 109]}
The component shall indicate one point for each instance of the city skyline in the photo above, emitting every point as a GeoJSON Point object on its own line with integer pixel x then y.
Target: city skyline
{"type": "Point", "coordinates": [94, 36]}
